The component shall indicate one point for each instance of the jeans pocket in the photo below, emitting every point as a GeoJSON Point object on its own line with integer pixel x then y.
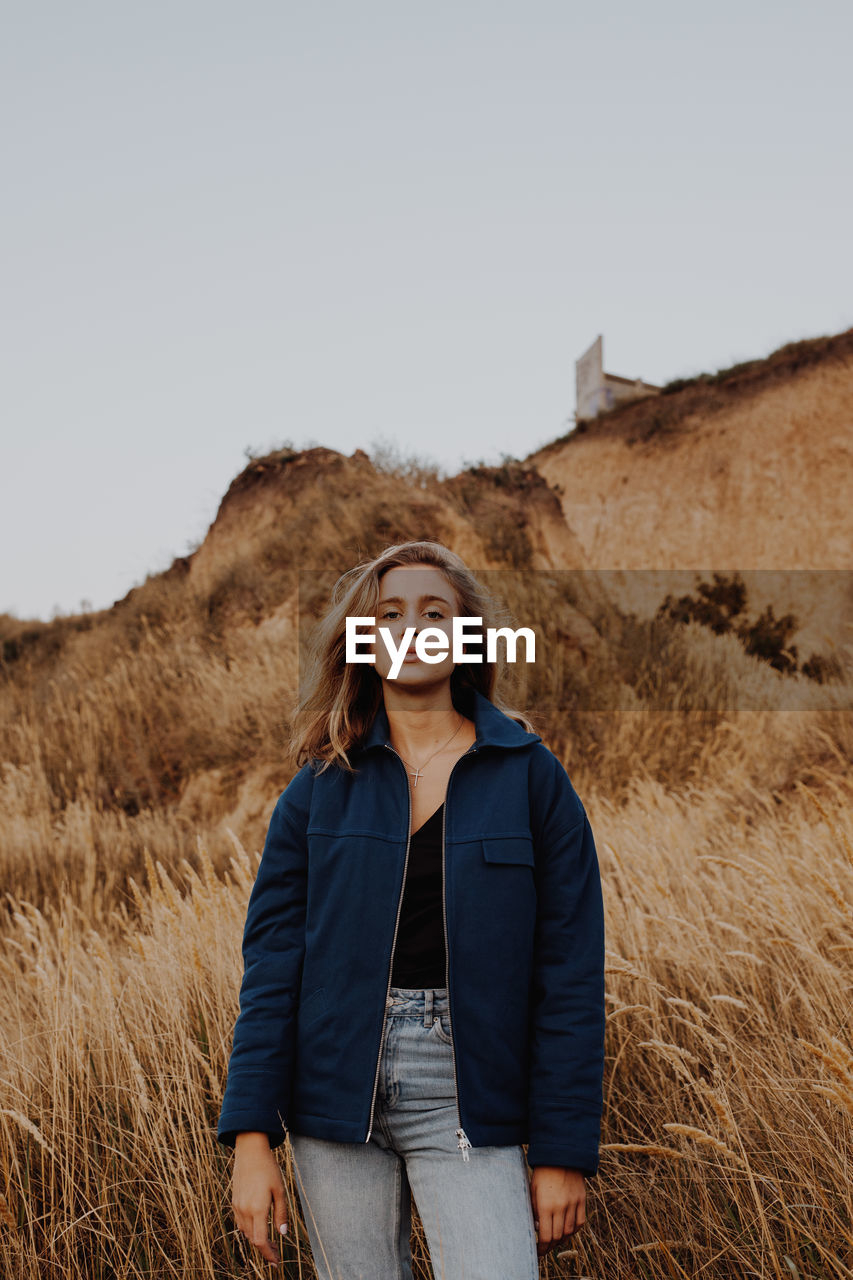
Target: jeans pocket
{"type": "Point", "coordinates": [441, 1027]}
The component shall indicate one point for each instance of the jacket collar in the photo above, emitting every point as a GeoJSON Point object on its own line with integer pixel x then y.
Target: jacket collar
{"type": "Point", "coordinates": [494, 727]}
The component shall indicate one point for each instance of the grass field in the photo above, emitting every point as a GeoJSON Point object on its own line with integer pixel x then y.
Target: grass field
{"type": "Point", "coordinates": [726, 848]}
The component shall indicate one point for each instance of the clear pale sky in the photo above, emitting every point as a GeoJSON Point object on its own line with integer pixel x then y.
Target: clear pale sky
{"type": "Point", "coordinates": [227, 226]}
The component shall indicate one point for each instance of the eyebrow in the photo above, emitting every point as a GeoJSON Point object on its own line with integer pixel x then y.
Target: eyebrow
{"type": "Point", "coordinates": [400, 600]}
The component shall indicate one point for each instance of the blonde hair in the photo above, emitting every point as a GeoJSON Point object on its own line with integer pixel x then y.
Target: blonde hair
{"type": "Point", "coordinates": [340, 699]}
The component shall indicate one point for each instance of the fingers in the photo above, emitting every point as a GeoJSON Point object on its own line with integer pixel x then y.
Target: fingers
{"type": "Point", "coordinates": [550, 1232]}
{"type": "Point", "coordinates": [556, 1227]}
{"type": "Point", "coordinates": [545, 1238]}
{"type": "Point", "coordinates": [279, 1208]}
{"type": "Point", "coordinates": [255, 1227]}
{"type": "Point", "coordinates": [255, 1230]}
{"type": "Point", "coordinates": [260, 1238]}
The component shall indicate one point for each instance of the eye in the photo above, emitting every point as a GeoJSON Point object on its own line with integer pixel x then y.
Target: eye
{"type": "Point", "coordinates": [388, 613]}
{"type": "Point", "coordinates": [435, 611]}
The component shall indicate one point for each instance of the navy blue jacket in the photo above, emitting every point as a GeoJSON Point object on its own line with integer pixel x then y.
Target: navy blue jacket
{"type": "Point", "coordinates": [524, 929]}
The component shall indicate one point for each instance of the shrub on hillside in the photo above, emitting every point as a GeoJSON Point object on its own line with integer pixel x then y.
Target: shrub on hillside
{"type": "Point", "coordinates": [722, 606]}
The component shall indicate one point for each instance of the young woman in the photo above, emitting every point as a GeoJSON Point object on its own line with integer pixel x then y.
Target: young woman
{"type": "Point", "coordinates": [423, 987]}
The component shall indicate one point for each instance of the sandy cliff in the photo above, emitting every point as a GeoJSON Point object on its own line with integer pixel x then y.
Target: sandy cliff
{"type": "Point", "coordinates": [755, 479]}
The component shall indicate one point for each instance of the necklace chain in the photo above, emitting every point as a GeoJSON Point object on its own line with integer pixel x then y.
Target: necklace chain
{"type": "Point", "coordinates": [420, 768]}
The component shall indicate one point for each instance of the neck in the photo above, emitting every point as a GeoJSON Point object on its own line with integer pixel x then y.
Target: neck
{"type": "Point", "coordinates": [420, 722]}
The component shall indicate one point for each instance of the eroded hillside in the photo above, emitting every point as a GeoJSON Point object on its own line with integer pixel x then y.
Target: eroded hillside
{"type": "Point", "coordinates": [750, 472]}
{"type": "Point", "coordinates": [133, 731]}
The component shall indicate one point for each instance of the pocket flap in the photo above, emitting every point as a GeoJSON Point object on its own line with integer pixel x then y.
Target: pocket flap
{"type": "Point", "coordinates": [509, 849]}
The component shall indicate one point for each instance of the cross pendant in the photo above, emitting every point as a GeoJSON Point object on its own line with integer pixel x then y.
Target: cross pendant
{"type": "Point", "coordinates": [415, 775]}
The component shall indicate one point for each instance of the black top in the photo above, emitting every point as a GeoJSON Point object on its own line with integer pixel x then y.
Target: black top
{"type": "Point", "coordinates": [419, 954]}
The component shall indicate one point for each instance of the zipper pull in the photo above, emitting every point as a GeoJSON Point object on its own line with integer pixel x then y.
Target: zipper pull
{"type": "Point", "coordinates": [463, 1144]}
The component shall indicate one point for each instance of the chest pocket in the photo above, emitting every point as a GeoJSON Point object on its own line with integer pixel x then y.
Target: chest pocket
{"type": "Point", "coordinates": [512, 849]}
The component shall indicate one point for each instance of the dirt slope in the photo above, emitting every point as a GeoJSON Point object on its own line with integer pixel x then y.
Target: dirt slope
{"type": "Point", "coordinates": [756, 480]}
{"type": "Point", "coordinates": [317, 506]}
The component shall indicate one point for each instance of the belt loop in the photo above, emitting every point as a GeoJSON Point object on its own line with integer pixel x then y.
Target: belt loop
{"type": "Point", "coordinates": [428, 996]}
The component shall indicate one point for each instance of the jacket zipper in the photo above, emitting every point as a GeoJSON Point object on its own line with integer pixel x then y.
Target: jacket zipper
{"type": "Point", "coordinates": [464, 1142]}
{"type": "Point", "coordinates": [393, 944]}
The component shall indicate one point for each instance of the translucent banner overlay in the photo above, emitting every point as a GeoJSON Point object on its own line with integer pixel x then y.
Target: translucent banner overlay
{"type": "Point", "coordinates": [656, 639]}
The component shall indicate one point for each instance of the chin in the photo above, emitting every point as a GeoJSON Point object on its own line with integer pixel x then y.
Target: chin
{"type": "Point", "coordinates": [415, 674]}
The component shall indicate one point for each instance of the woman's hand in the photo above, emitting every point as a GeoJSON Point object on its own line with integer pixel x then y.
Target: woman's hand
{"type": "Point", "coordinates": [559, 1205]}
{"type": "Point", "coordinates": [257, 1181]}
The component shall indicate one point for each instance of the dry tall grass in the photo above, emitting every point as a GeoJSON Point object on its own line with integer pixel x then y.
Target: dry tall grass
{"type": "Point", "coordinates": [729, 1075]}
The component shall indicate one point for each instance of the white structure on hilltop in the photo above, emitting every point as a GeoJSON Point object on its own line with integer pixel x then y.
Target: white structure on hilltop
{"type": "Point", "coordinates": [597, 391]}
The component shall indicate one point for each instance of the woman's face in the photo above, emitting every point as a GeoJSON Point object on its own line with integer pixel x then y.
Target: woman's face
{"type": "Point", "coordinates": [420, 596]}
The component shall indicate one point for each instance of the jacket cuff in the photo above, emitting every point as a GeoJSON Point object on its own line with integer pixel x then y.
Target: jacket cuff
{"type": "Point", "coordinates": [585, 1160]}
{"type": "Point", "coordinates": [250, 1122]}
{"type": "Point", "coordinates": [242, 1113]}
{"type": "Point", "coordinates": [577, 1145]}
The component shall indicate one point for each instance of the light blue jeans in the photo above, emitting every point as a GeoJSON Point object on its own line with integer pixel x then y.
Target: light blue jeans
{"type": "Point", "coordinates": [356, 1198]}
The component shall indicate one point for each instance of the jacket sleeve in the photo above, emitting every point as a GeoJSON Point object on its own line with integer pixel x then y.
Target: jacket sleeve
{"type": "Point", "coordinates": [567, 1010]}
{"type": "Point", "coordinates": [261, 1061]}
